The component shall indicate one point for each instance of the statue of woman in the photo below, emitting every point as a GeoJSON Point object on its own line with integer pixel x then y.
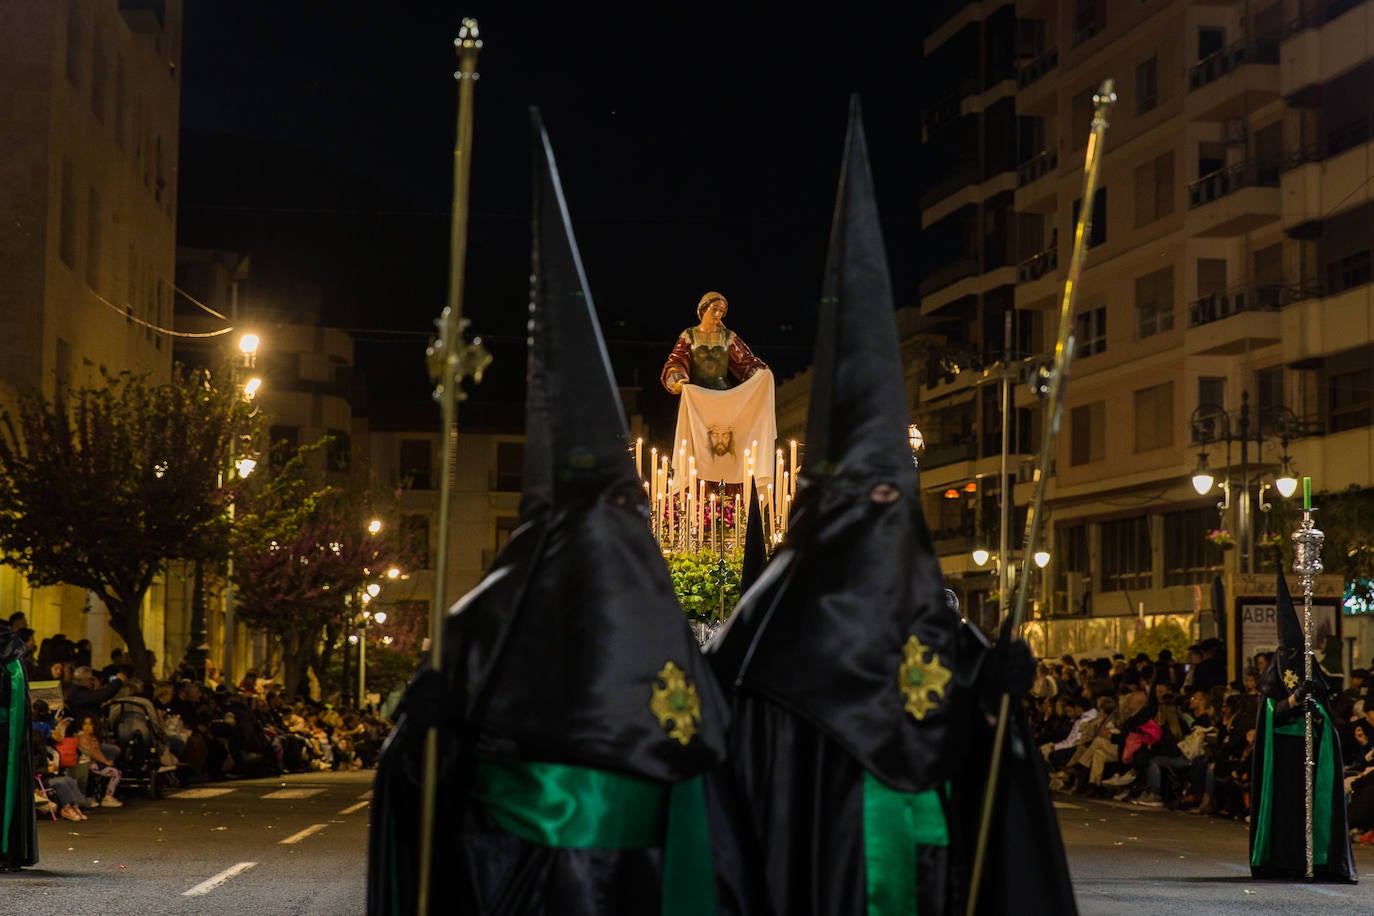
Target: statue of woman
{"type": "Point", "coordinates": [705, 354]}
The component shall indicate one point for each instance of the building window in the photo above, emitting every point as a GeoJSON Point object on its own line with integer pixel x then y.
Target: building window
{"type": "Point", "coordinates": [1088, 427]}
{"type": "Point", "coordinates": [285, 442]}
{"type": "Point", "coordinates": [1351, 396]}
{"type": "Point", "coordinates": [94, 277]}
{"type": "Point", "coordinates": [1154, 303]}
{"type": "Point", "coordinates": [1126, 555]}
{"type": "Point", "coordinates": [1269, 394]}
{"type": "Point", "coordinates": [1098, 235]}
{"type": "Point", "coordinates": [66, 244]}
{"type": "Point", "coordinates": [1154, 189]}
{"type": "Point", "coordinates": [1348, 272]}
{"type": "Point", "coordinates": [416, 468]}
{"type": "Point", "coordinates": [1154, 417]}
{"type": "Point", "coordinates": [1146, 85]}
{"type": "Point", "coordinates": [415, 539]}
{"type": "Point", "coordinates": [1071, 568]}
{"type": "Point", "coordinates": [340, 450]}
{"type": "Point", "coordinates": [510, 467]}
{"type": "Point", "coordinates": [1189, 558]}
{"type": "Point", "coordinates": [1090, 328]}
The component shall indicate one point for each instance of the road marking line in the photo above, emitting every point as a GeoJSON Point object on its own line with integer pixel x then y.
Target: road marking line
{"type": "Point", "coordinates": [294, 793]}
{"type": "Point", "coordinates": [366, 796]}
{"type": "Point", "coordinates": [351, 808]}
{"type": "Point", "coordinates": [210, 884]}
{"type": "Point", "coordinates": [206, 792]}
{"type": "Point", "coordinates": [297, 837]}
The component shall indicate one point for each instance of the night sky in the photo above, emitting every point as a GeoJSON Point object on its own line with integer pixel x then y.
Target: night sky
{"type": "Point", "coordinates": [699, 149]}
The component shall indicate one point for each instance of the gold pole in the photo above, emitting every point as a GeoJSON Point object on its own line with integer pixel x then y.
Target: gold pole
{"type": "Point", "coordinates": [1063, 356]}
{"type": "Point", "coordinates": [447, 365]}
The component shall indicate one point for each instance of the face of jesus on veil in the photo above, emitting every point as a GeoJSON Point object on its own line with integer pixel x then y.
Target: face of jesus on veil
{"type": "Point", "coordinates": [722, 441]}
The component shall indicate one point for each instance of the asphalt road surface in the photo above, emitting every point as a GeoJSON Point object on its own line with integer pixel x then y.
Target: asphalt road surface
{"type": "Point", "coordinates": [298, 845]}
{"type": "Point", "coordinates": [292, 845]}
{"type": "Point", "coordinates": [1132, 861]}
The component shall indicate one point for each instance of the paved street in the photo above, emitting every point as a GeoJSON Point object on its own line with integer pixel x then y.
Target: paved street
{"type": "Point", "coordinates": [1131, 861]}
{"type": "Point", "coordinates": [293, 845]}
{"type": "Point", "coordinates": [297, 845]}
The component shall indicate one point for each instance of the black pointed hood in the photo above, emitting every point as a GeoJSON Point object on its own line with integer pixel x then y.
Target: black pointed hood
{"type": "Point", "coordinates": [575, 647]}
{"type": "Point", "coordinates": [755, 555]}
{"type": "Point", "coordinates": [848, 627]}
{"type": "Point", "coordinates": [1286, 670]}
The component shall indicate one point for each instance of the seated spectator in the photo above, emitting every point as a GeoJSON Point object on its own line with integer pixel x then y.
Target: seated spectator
{"type": "Point", "coordinates": [62, 788]}
{"type": "Point", "coordinates": [86, 694]}
{"type": "Point", "coordinates": [1058, 753]}
{"type": "Point", "coordinates": [1163, 755]}
{"type": "Point", "coordinates": [88, 741]}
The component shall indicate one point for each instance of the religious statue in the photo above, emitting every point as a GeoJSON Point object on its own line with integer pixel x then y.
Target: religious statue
{"type": "Point", "coordinates": [725, 426]}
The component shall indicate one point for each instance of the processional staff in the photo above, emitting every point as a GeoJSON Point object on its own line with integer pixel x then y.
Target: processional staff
{"type": "Point", "coordinates": [1307, 564]}
{"type": "Point", "coordinates": [450, 361]}
{"type": "Point", "coordinates": [1103, 100]}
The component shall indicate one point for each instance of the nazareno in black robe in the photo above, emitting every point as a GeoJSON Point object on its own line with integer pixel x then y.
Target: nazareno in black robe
{"type": "Point", "coordinates": [19, 826]}
{"type": "Point", "coordinates": [1285, 856]}
{"type": "Point", "coordinates": [556, 661]}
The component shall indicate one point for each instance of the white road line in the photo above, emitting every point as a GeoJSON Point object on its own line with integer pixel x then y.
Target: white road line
{"type": "Point", "coordinates": [294, 793]}
{"type": "Point", "coordinates": [203, 792]}
{"type": "Point", "coordinates": [351, 808]}
{"type": "Point", "coordinates": [297, 837]}
{"type": "Point", "coordinates": [366, 795]}
{"type": "Point", "coordinates": [210, 884]}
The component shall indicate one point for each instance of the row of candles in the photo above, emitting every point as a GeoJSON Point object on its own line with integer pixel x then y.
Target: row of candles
{"type": "Point", "coordinates": [687, 517]}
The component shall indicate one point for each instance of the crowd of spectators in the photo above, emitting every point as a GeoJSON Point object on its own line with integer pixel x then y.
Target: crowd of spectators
{"type": "Point", "coordinates": [1163, 734]}
{"type": "Point", "coordinates": [112, 730]}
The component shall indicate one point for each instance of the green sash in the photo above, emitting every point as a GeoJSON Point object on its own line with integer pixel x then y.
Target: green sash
{"type": "Point", "coordinates": [16, 742]}
{"type": "Point", "coordinates": [570, 807]}
{"type": "Point", "coordinates": [895, 823]}
{"type": "Point", "coordinates": [1321, 788]}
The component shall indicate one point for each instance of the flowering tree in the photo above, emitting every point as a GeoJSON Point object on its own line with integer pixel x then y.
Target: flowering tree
{"type": "Point", "coordinates": [302, 555]}
{"type": "Point", "coordinates": [100, 489]}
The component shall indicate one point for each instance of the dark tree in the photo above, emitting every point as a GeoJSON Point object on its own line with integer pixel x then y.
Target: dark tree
{"type": "Point", "coordinates": [100, 490]}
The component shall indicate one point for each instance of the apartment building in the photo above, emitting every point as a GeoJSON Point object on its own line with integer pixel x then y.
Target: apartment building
{"type": "Point", "coordinates": [1224, 305]}
{"type": "Point", "coordinates": [89, 115]}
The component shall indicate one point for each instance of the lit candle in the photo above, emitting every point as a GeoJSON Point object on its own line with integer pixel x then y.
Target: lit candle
{"type": "Point", "coordinates": [639, 458]}
{"type": "Point", "coordinates": [777, 480]}
{"type": "Point", "coordinates": [1307, 492]}
{"type": "Point", "coordinates": [739, 524]}
{"type": "Point", "coordinates": [793, 468]}
{"type": "Point", "coordinates": [713, 522]}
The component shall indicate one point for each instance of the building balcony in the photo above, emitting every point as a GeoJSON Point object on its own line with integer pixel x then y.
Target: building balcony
{"type": "Point", "coordinates": [1317, 186]}
{"type": "Point", "coordinates": [1234, 321]}
{"type": "Point", "coordinates": [143, 16]}
{"type": "Point", "coordinates": [947, 453]}
{"type": "Point", "coordinates": [1037, 68]}
{"type": "Point", "coordinates": [1317, 48]}
{"type": "Point", "coordinates": [1037, 266]}
{"type": "Point", "coordinates": [1233, 200]}
{"type": "Point", "coordinates": [949, 274]}
{"type": "Point", "coordinates": [1234, 81]}
{"type": "Point", "coordinates": [1038, 166]}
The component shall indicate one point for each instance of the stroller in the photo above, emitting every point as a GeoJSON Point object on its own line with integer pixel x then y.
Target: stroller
{"type": "Point", "coordinates": [134, 727]}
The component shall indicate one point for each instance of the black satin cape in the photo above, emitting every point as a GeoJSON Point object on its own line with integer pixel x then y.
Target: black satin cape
{"type": "Point", "coordinates": [22, 836]}
{"type": "Point", "coordinates": [549, 659]}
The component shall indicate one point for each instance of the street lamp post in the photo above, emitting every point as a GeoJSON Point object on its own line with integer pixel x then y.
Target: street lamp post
{"type": "Point", "coordinates": [1212, 423]}
{"type": "Point", "coordinates": [248, 349]}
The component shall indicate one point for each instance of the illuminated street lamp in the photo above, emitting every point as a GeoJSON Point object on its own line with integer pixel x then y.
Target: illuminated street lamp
{"type": "Point", "coordinates": [1213, 423]}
